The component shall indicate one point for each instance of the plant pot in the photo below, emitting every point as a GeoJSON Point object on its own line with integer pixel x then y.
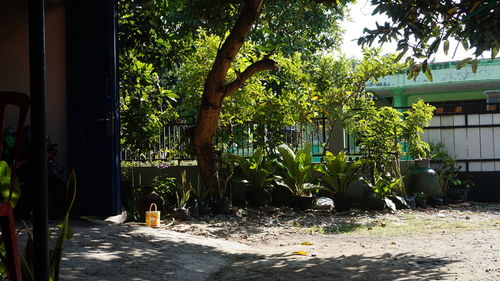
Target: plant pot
{"type": "Point", "coordinates": [436, 201]}
{"type": "Point", "coordinates": [303, 202]}
{"type": "Point", "coordinates": [400, 202]}
{"type": "Point", "coordinates": [411, 202]}
{"type": "Point", "coordinates": [457, 195]}
{"type": "Point", "coordinates": [238, 193]}
{"type": "Point", "coordinates": [421, 203]}
{"type": "Point", "coordinates": [258, 197]}
{"type": "Point", "coordinates": [424, 179]}
{"type": "Point", "coordinates": [181, 214]}
{"type": "Point", "coordinates": [342, 202]}
{"type": "Point", "coordinates": [204, 208]}
{"type": "Point", "coordinates": [222, 206]}
{"type": "Point", "coordinates": [374, 203]}
{"type": "Point", "coordinates": [282, 196]}
{"type": "Point", "coordinates": [192, 206]}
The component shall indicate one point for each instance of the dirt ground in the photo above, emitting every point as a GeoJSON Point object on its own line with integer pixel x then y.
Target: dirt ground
{"type": "Point", "coordinates": [460, 242]}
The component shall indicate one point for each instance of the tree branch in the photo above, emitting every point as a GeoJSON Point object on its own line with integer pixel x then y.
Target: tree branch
{"type": "Point", "coordinates": [333, 2]}
{"type": "Point", "coordinates": [258, 66]}
{"type": "Point", "coordinates": [231, 46]}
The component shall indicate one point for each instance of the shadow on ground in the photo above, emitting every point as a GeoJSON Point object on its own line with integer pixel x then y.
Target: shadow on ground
{"type": "Point", "coordinates": [124, 252]}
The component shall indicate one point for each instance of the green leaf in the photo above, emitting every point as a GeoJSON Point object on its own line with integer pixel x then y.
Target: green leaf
{"type": "Point", "coordinates": [463, 63]}
{"type": "Point", "coordinates": [434, 47]}
{"type": "Point", "coordinates": [428, 73]}
{"type": "Point", "coordinates": [494, 52]}
{"type": "Point", "coordinates": [446, 46]}
{"type": "Point", "coordinates": [5, 182]}
{"type": "Point", "coordinates": [474, 65]}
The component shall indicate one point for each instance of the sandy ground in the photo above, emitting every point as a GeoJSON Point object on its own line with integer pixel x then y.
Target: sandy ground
{"type": "Point", "coordinates": [263, 245]}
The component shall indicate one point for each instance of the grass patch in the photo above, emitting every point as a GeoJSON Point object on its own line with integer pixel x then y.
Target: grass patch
{"type": "Point", "coordinates": [399, 224]}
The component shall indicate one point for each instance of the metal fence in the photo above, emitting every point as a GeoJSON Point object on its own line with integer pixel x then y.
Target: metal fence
{"type": "Point", "coordinates": [174, 141]}
{"type": "Point", "coordinates": [468, 131]}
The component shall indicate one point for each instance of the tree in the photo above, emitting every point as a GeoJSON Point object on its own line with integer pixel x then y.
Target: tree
{"type": "Point", "coordinates": [424, 26]}
{"type": "Point", "coordinates": [382, 133]}
{"type": "Point", "coordinates": [341, 84]}
{"type": "Point", "coordinates": [160, 50]}
{"type": "Point", "coordinates": [217, 88]}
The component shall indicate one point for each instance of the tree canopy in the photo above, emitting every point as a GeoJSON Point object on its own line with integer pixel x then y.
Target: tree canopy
{"type": "Point", "coordinates": [232, 61]}
{"type": "Point", "coordinates": [423, 27]}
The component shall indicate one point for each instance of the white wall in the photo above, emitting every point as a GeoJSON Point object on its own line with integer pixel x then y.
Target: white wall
{"type": "Point", "coordinates": [469, 143]}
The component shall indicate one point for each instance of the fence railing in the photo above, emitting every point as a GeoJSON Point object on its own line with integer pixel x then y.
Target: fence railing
{"type": "Point", "coordinates": [174, 142]}
{"type": "Point", "coordinates": [468, 131]}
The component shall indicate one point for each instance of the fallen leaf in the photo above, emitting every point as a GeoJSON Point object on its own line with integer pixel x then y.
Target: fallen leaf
{"type": "Point", "coordinates": [300, 253]}
{"type": "Point", "coordinates": [306, 243]}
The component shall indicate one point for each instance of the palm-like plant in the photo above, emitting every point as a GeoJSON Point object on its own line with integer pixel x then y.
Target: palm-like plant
{"type": "Point", "coordinates": [295, 168]}
{"type": "Point", "coordinates": [257, 170]}
{"type": "Point", "coordinates": [338, 174]}
{"type": "Point", "coordinates": [183, 192]}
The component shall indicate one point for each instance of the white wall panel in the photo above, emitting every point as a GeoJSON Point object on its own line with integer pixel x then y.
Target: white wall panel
{"type": "Point", "coordinates": [435, 136]}
{"type": "Point", "coordinates": [475, 167]}
{"type": "Point", "coordinates": [486, 119]}
{"type": "Point", "coordinates": [448, 139]}
{"type": "Point", "coordinates": [473, 119]}
{"type": "Point", "coordinates": [487, 149]}
{"type": "Point", "coordinates": [447, 120]}
{"type": "Point", "coordinates": [497, 166]}
{"type": "Point", "coordinates": [487, 166]}
{"type": "Point", "coordinates": [496, 118]}
{"type": "Point", "coordinates": [460, 149]}
{"type": "Point", "coordinates": [473, 143]}
{"type": "Point", "coordinates": [459, 120]}
{"type": "Point", "coordinates": [496, 141]}
{"type": "Point", "coordinates": [435, 121]}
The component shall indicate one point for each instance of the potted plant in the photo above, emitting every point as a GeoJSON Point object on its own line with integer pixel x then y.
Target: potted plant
{"type": "Point", "coordinates": [257, 172]}
{"type": "Point", "coordinates": [199, 200]}
{"type": "Point", "coordinates": [294, 169]}
{"type": "Point", "coordinates": [223, 175]}
{"type": "Point", "coordinates": [338, 174]}
{"type": "Point", "coordinates": [182, 194]}
{"type": "Point", "coordinates": [421, 200]}
{"type": "Point", "coordinates": [384, 190]}
{"type": "Point", "coordinates": [454, 189]}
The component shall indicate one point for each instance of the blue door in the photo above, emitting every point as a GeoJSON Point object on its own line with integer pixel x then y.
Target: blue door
{"type": "Point", "coordinates": [93, 111]}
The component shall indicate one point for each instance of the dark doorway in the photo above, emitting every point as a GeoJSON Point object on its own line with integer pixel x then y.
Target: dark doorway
{"type": "Point", "coordinates": [93, 123]}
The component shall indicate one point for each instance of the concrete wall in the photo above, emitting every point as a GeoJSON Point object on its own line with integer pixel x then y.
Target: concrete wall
{"type": "Point", "coordinates": [135, 176]}
{"type": "Point", "coordinates": [14, 63]}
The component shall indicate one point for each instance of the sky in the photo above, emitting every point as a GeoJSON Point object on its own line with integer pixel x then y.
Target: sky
{"type": "Point", "coordinates": [361, 17]}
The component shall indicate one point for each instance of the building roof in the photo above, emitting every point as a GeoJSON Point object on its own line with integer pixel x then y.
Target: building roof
{"type": "Point", "coordinates": [446, 78]}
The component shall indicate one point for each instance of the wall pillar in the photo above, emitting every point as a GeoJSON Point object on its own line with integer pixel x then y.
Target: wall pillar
{"type": "Point", "coordinates": [399, 99]}
{"type": "Point", "coordinates": [337, 141]}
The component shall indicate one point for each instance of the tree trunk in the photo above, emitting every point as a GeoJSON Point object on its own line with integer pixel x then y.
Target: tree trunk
{"type": "Point", "coordinates": [216, 89]}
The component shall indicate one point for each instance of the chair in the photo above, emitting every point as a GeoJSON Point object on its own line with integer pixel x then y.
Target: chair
{"type": "Point", "coordinates": [22, 101]}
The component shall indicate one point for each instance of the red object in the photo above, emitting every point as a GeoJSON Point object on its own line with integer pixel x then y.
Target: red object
{"type": "Point", "coordinates": [7, 221]}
